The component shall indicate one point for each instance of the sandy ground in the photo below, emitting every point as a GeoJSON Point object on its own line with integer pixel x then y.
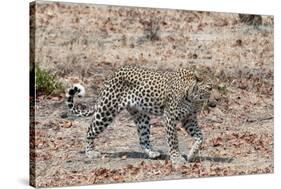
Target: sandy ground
{"type": "Point", "coordinates": [85, 43]}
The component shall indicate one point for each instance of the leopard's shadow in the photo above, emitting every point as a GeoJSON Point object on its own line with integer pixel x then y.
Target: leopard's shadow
{"type": "Point", "coordinates": [141, 155]}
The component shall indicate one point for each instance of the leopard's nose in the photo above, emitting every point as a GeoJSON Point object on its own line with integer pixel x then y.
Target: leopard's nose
{"type": "Point", "coordinates": [212, 103]}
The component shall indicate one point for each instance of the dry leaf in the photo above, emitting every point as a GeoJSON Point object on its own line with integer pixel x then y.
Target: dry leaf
{"type": "Point", "coordinates": [66, 124]}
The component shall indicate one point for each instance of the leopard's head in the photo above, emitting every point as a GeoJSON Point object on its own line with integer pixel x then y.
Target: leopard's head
{"type": "Point", "coordinates": [199, 87]}
{"type": "Point", "coordinates": [199, 93]}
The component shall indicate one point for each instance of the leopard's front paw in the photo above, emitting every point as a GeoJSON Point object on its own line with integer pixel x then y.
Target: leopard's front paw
{"type": "Point", "coordinates": [178, 160]}
{"type": "Point", "coordinates": [153, 154]}
{"type": "Point", "coordinates": [192, 156]}
{"type": "Point", "coordinates": [190, 159]}
{"type": "Point", "coordinates": [92, 154]}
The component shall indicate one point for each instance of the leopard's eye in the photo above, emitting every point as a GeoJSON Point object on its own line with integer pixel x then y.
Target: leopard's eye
{"type": "Point", "coordinates": [209, 87]}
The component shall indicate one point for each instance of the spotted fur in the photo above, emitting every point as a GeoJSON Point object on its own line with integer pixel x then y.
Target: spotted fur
{"type": "Point", "coordinates": [77, 110]}
{"type": "Point", "coordinates": [178, 96]}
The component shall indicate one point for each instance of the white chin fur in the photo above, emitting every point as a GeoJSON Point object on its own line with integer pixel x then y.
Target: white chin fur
{"type": "Point", "coordinates": [82, 89]}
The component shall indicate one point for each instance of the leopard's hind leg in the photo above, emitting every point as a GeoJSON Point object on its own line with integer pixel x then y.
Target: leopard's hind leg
{"type": "Point", "coordinates": [105, 112]}
{"type": "Point", "coordinates": [101, 120]}
{"type": "Point", "coordinates": [143, 127]}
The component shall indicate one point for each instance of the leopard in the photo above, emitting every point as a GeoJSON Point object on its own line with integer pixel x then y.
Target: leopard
{"type": "Point", "coordinates": [178, 96]}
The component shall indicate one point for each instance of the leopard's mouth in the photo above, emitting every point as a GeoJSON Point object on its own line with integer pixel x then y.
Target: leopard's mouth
{"type": "Point", "coordinates": [212, 103]}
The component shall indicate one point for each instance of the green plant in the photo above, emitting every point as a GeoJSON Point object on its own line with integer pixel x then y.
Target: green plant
{"type": "Point", "coordinates": [222, 88]}
{"type": "Point", "coordinates": [46, 83]}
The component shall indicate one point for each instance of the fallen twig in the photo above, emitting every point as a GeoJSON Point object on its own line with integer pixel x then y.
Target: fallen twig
{"type": "Point", "coordinates": [251, 120]}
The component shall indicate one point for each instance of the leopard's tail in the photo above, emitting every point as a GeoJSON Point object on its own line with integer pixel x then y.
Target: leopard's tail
{"type": "Point", "coordinates": [80, 91]}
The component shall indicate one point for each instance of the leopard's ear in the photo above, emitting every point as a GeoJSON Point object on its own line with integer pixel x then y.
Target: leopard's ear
{"type": "Point", "coordinates": [198, 76]}
{"type": "Point", "coordinates": [196, 73]}
{"type": "Point", "coordinates": [192, 67]}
